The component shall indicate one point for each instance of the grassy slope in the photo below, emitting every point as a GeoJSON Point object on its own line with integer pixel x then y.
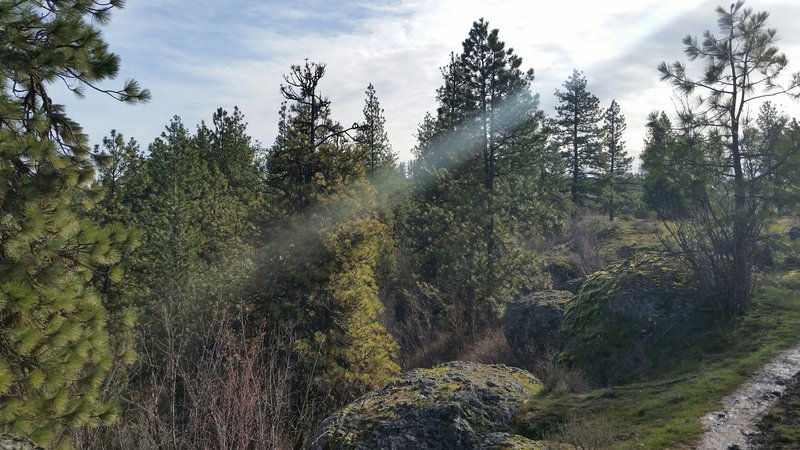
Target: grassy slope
{"type": "Point", "coordinates": [664, 413]}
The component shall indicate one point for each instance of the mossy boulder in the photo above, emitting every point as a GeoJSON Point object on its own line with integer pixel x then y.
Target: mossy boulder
{"type": "Point", "coordinates": [458, 405]}
{"type": "Point", "coordinates": [531, 324]}
{"type": "Point", "coordinates": [574, 285]}
{"type": "Point", "coordinates": [629, 319]}
{"type": "Point", "coordinates": [8, 442]}
{"type": "Point", "coordinates": [561, 270]}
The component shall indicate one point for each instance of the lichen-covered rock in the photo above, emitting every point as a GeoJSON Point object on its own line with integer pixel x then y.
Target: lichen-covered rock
{"type": "Point", "coordinates": [629, 319]}
{"type": "Point", "coordinates": [452, 406]}
{"type": "Point", "coordinates": [531, 323]}
{"type": "Point", "coordinates": [8, 442]}
{"type": "Point", "coordinates": [507, 441]}
{"type": "Point", "coordinates": [560, 271]}
{"type": "Point", "coordinates": [574, 285]}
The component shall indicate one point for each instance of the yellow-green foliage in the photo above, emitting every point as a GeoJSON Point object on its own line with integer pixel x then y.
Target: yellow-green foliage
{"type": "Point", "coordinates": [363, 354]}
{"type": "Point", "coordinates": [790, 279]}
{"type": "Point", "coordinates": [55, 352]}
{"type": "Point", "coordinates": [333, 299]}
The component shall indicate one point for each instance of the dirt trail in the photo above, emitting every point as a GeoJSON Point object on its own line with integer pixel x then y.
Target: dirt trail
{"type": "Point", "coordinates": [731, 427]}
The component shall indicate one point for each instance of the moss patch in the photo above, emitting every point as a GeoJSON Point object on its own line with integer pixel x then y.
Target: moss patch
{"type": "Point", "coordinates": [630, 319]}
{"type": "Point", "coordinates": [791, 279]}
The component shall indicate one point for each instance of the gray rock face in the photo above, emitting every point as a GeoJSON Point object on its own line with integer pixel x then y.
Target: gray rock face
{"type": "Point", "coordinates": [506, 441]}
{"type": "Point", "coordinates": [574, 285]}
{"type": "Point", "coordinates": [457, 405]}
{"type": "Point", "coordinates": [8, 442]}
{"type": "Point", "coordinates": [531, 323]}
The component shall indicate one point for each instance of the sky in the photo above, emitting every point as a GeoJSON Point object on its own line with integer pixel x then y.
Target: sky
{"type": "Point", "coordinates": [198, 55]}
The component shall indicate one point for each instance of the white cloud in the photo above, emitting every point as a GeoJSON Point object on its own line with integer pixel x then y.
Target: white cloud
{"type": "Point", "coordinates": [197, 56]}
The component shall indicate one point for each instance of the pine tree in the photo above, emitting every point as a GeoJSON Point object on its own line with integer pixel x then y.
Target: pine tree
{"type": "Point", "coordinates": [674, 165]}
{"type": "Point", "coordinates": [55, 347]}
{"type": "Point", "coordinates": [317, 272]}
{"type": "Point", "coordinates": [193, 199]}
{"type": "Point", "coordinates": [742, 65]}
{"type": "Point", "coordinates": [772, 157]}
{"type": "Point", "coordinates": [616, 162]}
{"type": "Point", "coordinates": [371, 135]}
{"type": "Point", "coordinates": [233, 153]}
{"type": "Point", "coordinates": [578, 115]}
{"type": "Point", "coordinates": [480, 168]}
{"type": "Point", "coordinates": [309, 158]}
{"type": "Point", "coordinates": [117, 160]}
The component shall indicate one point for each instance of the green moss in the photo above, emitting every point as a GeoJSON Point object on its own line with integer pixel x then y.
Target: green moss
{"type": "Point", "coordinates": [628, 320]}
{"type": "Point", "coordinates": [484, 397]}
{"type": "Point", "coordinates": [665, 412]}
{"type": "Point", "coordinates": [623, 239]}
{"type": "Point", "coordinates": [435, 370]}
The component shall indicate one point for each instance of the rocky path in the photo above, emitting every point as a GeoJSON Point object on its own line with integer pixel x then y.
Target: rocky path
{"type": "Point", "coordinates": [731, 427]}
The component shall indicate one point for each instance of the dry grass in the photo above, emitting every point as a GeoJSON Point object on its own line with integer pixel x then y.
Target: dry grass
{"type": "Point", "coordinates": [586, 245]}
{"type": "Point", "coordinates": [558, 377]}
{"type": "Point", "coordinates": [491, 349]}
{"type": "Point", "coordinates": [239, 391]}
{"type": "Point", "coordinates": [585, 434]}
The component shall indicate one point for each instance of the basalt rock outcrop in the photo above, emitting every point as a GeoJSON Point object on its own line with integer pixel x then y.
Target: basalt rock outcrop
{"type": "Point", "coordinates": [458, 405]}
{"type": "Point", "coordinates": [629, 319]}
{"type": "Point", "coordinates": [531, 324]}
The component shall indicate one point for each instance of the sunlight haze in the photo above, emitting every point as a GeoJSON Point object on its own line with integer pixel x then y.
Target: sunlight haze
{"type": "Point", "coordinates": [196, 56]}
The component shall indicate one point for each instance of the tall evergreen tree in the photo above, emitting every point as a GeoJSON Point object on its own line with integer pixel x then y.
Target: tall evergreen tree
{"type": "Point", "coordinates": [192, 199]}
{"type": "Point", "coordinates": [577, 117]}
{"type": "Point", "coordinates": [117, 160]}
{"type": "Point", "coordinates": [616, 162]}
{"type": "Point", "coordinates": [674, 165]}
{"type": "Point", "coordinates": [773, 159]}
{"type": "Point", "coordinates": [308, 159]}
{"type": "Point", "coordinates": [371, 135]}
{"type": "Point", "coordinates": [505, 115]}
{"type": "Point", "coordinates": [55, 346]}
{"type": "Point", "coordinates": [477, 163]}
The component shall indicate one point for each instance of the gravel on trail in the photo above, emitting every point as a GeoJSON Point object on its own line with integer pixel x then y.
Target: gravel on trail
{"type": "Point", "coordinates": [732, 427]}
